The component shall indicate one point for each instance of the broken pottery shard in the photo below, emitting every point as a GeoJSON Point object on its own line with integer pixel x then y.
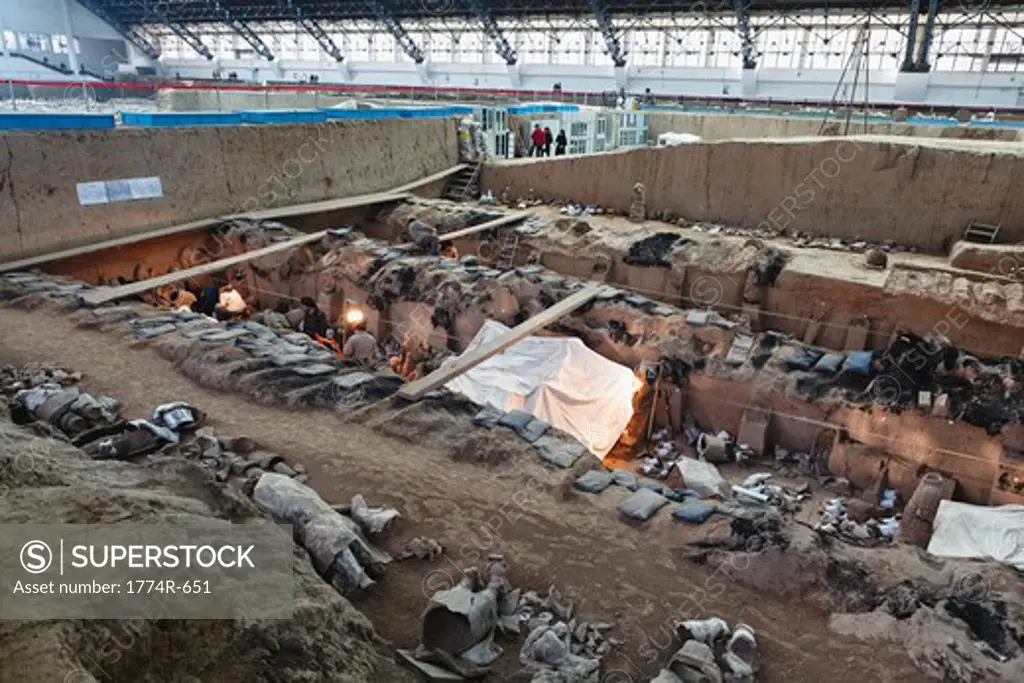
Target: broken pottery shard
{"type": "Point", "coordinates": [431, 671]}
{"type": "Point", "coordinates": [707, 631]}
{"type": "Point", "coordinates": [703, 478]}
{"type": "Point", "coordinates": [462, 620]}
{"type": "Point", "coordinates": [695, 663]}
{"type": "Point", "coordinates": [422, 548]}
{"type": "Point", "coordinates": [374, 520]}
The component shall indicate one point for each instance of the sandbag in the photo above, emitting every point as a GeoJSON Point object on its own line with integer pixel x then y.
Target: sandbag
{"type": "Point", "coordinates": [594, 481]}
{"type": "Point", "coordinates": [859, 362]}
{"type": "Point", "coordinates": [524, 424]}
{"type": "Point", "coordinates": [830, 363]}
{"type": "Point", "coordinates": [625, 478]}
{"type": "Point", "coordinates": [558, 452]}
{"type": "Point", "coordinates": [803, 358]}
{"type": "Point", "coordinates": [642, 504]}
{"type": "Point", "coordinates": [693, 511]}
{"type": "Point", "coordinates": [488, 417]}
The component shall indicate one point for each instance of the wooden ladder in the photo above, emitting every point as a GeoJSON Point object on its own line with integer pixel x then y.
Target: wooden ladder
{"type": "Point", "coordinates": [981, 232]}
{"type": "Point", "coordinates": [507, 255]}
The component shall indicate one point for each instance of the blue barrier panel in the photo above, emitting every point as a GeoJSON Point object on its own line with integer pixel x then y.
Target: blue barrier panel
{"type": "Point", "coordinates": [198, 118]}
{"type": "Point", "coordinates": [541, 108]}
{"type": "Point", "coordinates": [999, 124]}
{"type": "Point", "coordinates": [56, 121]}
{"type": "Point", "coordinates": [283, 116]}
{"type": "Point", "coordinates": [932, 121]}
{"type": "Point", "coordinates": [413, 113]}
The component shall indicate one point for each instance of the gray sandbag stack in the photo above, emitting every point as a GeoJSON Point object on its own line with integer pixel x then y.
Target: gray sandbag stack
{"type": "Point", "coordinates": [335, 543]}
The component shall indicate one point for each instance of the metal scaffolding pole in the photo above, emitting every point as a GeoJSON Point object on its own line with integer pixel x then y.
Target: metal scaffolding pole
{"type": "Point", "coordinates": [242, 29]}
{"type": "Point", "coordinates": [493, 31]}
{"type": "Point", "coordinates": [385, 16]}
{"type": "Point", "coordinates": [747, 48]}
{"type": "Point", "coordinates": [179, 29]}
{"type": "Point", "coordinates": [313, 28]}
{"type": "Point", "coordinates": [131, 33]}
{"type": "Point", "coordinates": [613, 46]}
{"type": "Point", "coordinates": [908, 56]}
{"type": "Point", "coordinates": [924, 49]}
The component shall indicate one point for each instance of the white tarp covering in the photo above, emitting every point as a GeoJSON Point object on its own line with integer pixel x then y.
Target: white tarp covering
{"type": "Point", "coordinates": [975, 531]}
{"type": "Point", "coordinates": [676, 139]}
{"type": "Point", "coordinates": [558, 380]}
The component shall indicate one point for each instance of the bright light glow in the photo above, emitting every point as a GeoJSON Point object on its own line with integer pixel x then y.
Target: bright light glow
{"type": "Point", "coordinates": [354, 316]}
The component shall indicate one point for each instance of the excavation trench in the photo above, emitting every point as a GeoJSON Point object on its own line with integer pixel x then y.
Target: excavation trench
{"type": "Point", "coordinates": [671, 311]}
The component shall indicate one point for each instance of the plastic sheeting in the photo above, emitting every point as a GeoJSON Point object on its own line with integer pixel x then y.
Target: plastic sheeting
{"type": "Point", "coordinates": [974, 531]}
{"type": "Point", "coordinates": [558, 380]}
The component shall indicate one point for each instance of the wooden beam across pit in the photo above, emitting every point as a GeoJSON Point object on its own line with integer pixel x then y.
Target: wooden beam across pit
{"type": "Point", "coordinates": [509, 219]}
{"type": "Point", "coordinates": [102, 295]}
{"type": "Point", "coordinates": [414, 391]}
{"type": "Point", "coordinates": [393, 195]}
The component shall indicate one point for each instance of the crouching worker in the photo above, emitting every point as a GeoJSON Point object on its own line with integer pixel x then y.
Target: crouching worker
{"type": "Point", "coordinates": [361, 347]}
{"type": "Point", "coordinates": [329, 341]}
{"type": "Point", "coordinates": [231, 305]}
{"type": "Point", "coordinates": [424, 237]}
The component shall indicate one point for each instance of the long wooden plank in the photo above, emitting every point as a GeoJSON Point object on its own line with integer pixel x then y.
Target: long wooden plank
{"type": "Point", "coordinates": [322, 206]}
{"type": "Point", "coordinates": [417, 184]}
{"type": "Point", "coordinates": [467, 361]}
{"type": "Point", "coordinates": [465, 232]}
{"type": "Point", "coordinates": [395, 194]}
{"type": "Point", "coordinates": [102, 295]}
{"type": "Point", "coordinates": [496, 223]}
{"type": "Point", "coordinates": [33, 261]}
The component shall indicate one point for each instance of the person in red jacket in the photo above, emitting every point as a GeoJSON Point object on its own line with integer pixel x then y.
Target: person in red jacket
{"type": "Point", "coordinates": [539, 139]}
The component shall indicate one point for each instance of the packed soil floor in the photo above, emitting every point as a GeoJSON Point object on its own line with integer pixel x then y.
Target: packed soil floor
{"type": "Point", "coordinates": [636, 577]}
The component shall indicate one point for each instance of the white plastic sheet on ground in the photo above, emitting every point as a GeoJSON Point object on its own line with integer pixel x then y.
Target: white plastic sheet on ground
{"type": "Point", "coordinates": [558, 380]}
{"type": "Point", "coordinates": [975, 531]}
{"type": "Point", "coordinates": [676, 139]}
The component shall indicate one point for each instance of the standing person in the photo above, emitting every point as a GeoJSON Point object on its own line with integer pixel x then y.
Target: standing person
{"type": "Point", "coordinates": [315, 321]}
{"type": "Point", "coordinates": [548, 139]}
{"type": "Point", "coordinates": [560, 143]}
{"type": "Point", "coordinates": [537, 138]}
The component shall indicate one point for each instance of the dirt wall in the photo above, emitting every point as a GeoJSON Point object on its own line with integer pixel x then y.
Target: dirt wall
{"type": "Point", "coordinates": [204, 171]}
{"type": "Point", "coordinates": [740, 126]}
{"type": "Point", "coordinates": [922, 193]}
